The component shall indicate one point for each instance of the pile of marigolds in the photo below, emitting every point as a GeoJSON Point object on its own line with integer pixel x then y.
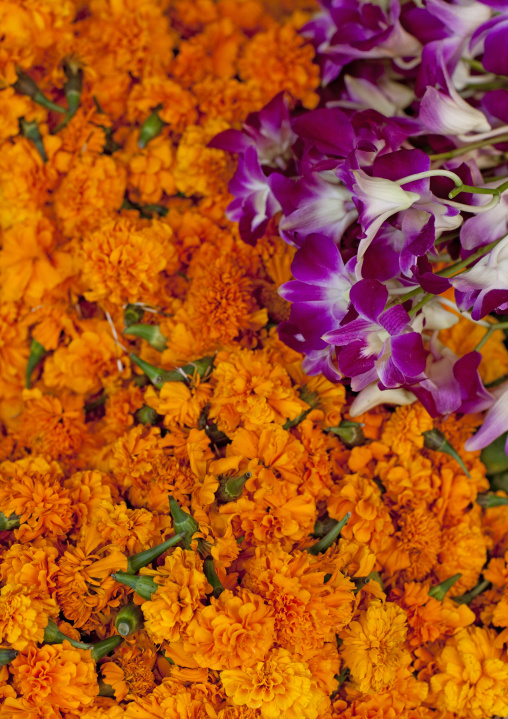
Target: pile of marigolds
{"type": "Point", "coordinates": [192, 526]}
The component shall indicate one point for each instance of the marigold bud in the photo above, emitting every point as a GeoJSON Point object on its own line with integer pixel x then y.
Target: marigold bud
{"type": "Point", "coordinates": [329, 538]}
{"type": "Point", "coordinates": [142, 585]}
{"type": "Point", "coordinates": [53, 635]}
{"type": "Point", "coordinates": [129, 619]}
{"type": "Point", "coordinates": [440, 590]}
{"type": "Point", "coordinates": [231, 488]}
{"type": "Point", "coordinates": [105, 646]}
{"type": "Point", "coordinates": [182, 522]}
{"type": "Point", "coordinates": [37, 353]}
{"type": "Point", "coordinates": [434, 439]}
{"type": "Point", "coordinates": [25, 85]}
{"type": "Point", "coordinates": [151, 127]}
{"type": "Point", "coordinates": [158, 377]}
{"type": "Point", "coordinates": [132, 314]}
{"type": "Point", "coordinates": [350, 433]}
{"type": "Point", "coordinates": [142, 559]}
{"type": "Point", "coordinates": [147, 415]}
{"type": "Point", "coordinates": [150, 333]}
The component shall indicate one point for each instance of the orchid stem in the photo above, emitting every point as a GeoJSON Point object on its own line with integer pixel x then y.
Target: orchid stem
{"type": "Point", "coordinates": [489, 333]}
{"type": "Point", "coordinates": [467, 148]}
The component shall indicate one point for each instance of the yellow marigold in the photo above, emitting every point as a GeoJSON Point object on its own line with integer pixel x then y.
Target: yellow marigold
{"type": "Point", "coordinates": [31, 489]}
{"type": "Point", "coordinates": [281, 686]}
{"type": "Point", "coordinates": [131, 671]}
{"type": "Point", "coordinates": [191, 16]}
{"type": "Point", "coordinates": [121, 406]}
{"type": "Point", "coordinates": [227, 98]}
{"type": "Point", "coordinates": [471, 677]}
{"type": "Point", "coordinates": [31, 566]}
{"type": "Point", "coordinates": [173, 699]}
{"type": "Point", "coordinates": [324, 664]}
{"type": "Point", "coordinates": [373, 647]}
{"type": "Point", "coordinates": [149, 170]}
{"type": "Point", "coordinates": [102, 712]}
{"type": "Point", "coordinates": [308, 611]}
{"type": "Point", "coordinates": [86, 490]}
{"type": "Point", "coordinates": [463, 338]}
{"type": "Point", "coordinates": [463, 549]}
{"type": "Point", "coordinates": [138, 457]}
{"type": "Point", "coordinates": [370, 522]}
{"type": "Point", "coordinates": [251, 391]}
{"type": "Point", "coordinates": [403, 432]}
{"type": "Point", "coordinates": [89, 193]}
{"type": "Point", "coordinates": [181, 589]}
{"type": "Point", "coordinates": [24, 615]}
{"type": "Point", "coordinates": [50, 426]}
{"type": "Point", "coordinates": [281, 59]}
{"type": "Point", "coordinates": [201, 170]}
{"type": "Point", "coordinates": [318, 475]}
{"type": "Point", "coordinates": [23, 192]}
{"type": "Point", "coordinates": [178, 105]}
{"type": "Point", "coordinates": [84, 363]}
{"type": "Point", "coordinates": [236, 630]}
{"type": "Point", "coordinates": [123, 262]}
{"type": "Point", "coordinates": [128, 530]}
{"type": "Point", "coordinates": [55, 674]}
{"type": "Point", "coordinates": [14, 347]}
{"type": "Point", "coordinates": [180, 403]}
{"type": "Point", "coordinates": [403, 700]}
{"type": "Point", "coordinates": [427, 618]}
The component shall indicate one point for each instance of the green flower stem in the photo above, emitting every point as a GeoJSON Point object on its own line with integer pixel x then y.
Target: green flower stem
{"type": "Point", "coordinates": [231, 489]}
{"type": "Point", "coordinates": [439, 591]}
{"type": "Point", "coordinates": [471, 146]}
{"type": "Point", "coordinates": [435, 440]}
{"type": "Point", "coordinates": [469, 596]}
{"type": "Point", "coordinates": [142, 559]}
{"type": "Point", "coordinates": [53, 635]}
{"type": "Point", "coordinates": [105, 646]}
{"type": "Point", "coordinates": [211, 575]}
{"type": "Point", "coordinates": [329, 538]}
{"type": "Point", "coordinates": [143, 585]}
{"type": "Point", "coordinates": [129, 619]}
{"type": "Point", "coordinates": [37, 353]}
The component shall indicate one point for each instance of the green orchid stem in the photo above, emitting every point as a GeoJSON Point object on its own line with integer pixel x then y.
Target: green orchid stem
{"type": "Point", "coordinates": [467, 148]}
{"type": "Point", "coordinates": [129, 619]}
{"type": "Point", "coordinates": [469, 596]}
{"type": "Point", "coordinates": [37, 353]}
{"type": "Point", "coordinates": [142, 559]}
{"type": "Point", "coordinates": [439, 591]}
{"type": "Point", "coordinates": [453, 269]}
{"type": "Point", "coordinates": [489, 333]}
{"type": "Point", "coordinates": [473, 190]}
{"type": "Point", "coordinates": [142, 585]}
{"type": "Point", "coordinates": [53, 635]}
{"type": "Point", "coordinates": [105, 646]}
{"type": "Point", "coordinates": [211, 575]}
{"type": "Point", "coordinates": [329, 538]}
{"type": "Point", "coordinates": [435, 440]}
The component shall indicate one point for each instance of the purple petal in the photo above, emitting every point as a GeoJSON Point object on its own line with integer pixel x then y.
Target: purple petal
{"type": "Point", "coordinates": [494, 425]}
{"type": "Point", "coordinates": [369, 298]}
{"type": "Point", "coordinates": [394, 320]}
{"type": "Point", "coordinates": [351, 360]}
{"type": "Point", "coordinates": [408, 354]}
{"type": "Point", "coordinates": [350, 332]}
{"type": "Point", "coordinates": [318, 261]}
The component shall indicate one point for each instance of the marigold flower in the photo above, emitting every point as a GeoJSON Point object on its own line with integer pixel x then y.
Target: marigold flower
{"type": "Point", "coordinates": [373, 647]}
{"type": "Point", "coordinates": [403, 432]}
{"type": "Point", "coordinates": [281, 686]}
{"type": "Point", "coordinates": [89, 193]}
{"type": "Point", "coordinates": [463, 549]}
{"type": "Point", "coordinates": [31, 489]}
{"type": "Point", "coordinates": [178, 105]}
{"type": "Point", "coordinates": [55, 674]}
{"type": "Point", "coordinates": [201, 170]}
{"type": "Point", "coordinates": [22, 193]}
{"type": "Point", "coordinates": [250, 390]}
{"type": "Point", "coordinates": [86, 490]}
{"type": "Point", "coordinates": [149, 170]}
{"type": "Point", "coordinates": [472, 675]}
{"type": "Point", "coordinates": [123, 262]}
{"type": "Point", "coordinates": [31, 566]}
{"type": "Point", "coordinates": [178, 402]}
{"type": "Point", "coordinates": [181, 589]}
{"type": "Point", "coordinates": [266, 60]}
{"type": "Point", "coordinates": [128, 530]}
{"type": "Point", "coordinates": [130, 673]}
{"type": "Point", "coordinates": [24, 615]}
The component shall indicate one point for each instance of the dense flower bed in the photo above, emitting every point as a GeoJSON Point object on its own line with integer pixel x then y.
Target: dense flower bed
{"type": "Point", "coordinates": [247, 344]}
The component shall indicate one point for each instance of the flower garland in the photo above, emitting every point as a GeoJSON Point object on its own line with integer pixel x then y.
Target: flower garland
{"type": "Point", "coordinates": [196, 518]}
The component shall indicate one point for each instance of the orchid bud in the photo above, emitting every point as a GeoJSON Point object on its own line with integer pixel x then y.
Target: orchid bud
{"type": "Point", "coordinates": [211, 575]}
{"type": "Point", "coordinates": [329, 538]}
{"type": "Point", "coordinates": [8, 523]}
{"type": "Point", "coordinates": [142, 585]}
{"type": "Point", "coordinates": [26, 86]}
{"type": "Point", "coordinates": [232, 488]}
{"type": "Point", "coordinates": [150, 333]}
{"type": "Point", "coordinates": [182, 522]}
{"type": "Point", "coordinates": [6, 656]}
{"type": "Point", "coordinates": [488, 500]}
{"type": "Point", "coordinates": [350, 433]}
{"type": "Point", "coordinates": [494, 456]}
{"type": "Point", "coordinates": [468, 597]}
{"type": "Point", "coordinates": [147, 415]}
{"type": "Point", "coordinates": [434, 439]}
{"type": "Point", "coordinates": [37, 353]}
{"type": "Point", "coordinates": [31, 131]}
{"type": "Point", "coordinates": [151, 127]}
{"type": "Point", "coordinates": [105, 646]}
{"type": "Point", "coordinates": [129, 619]}
{"type": "Point", "coordinates": [132, 314]}
{"type": "Point", "coordinates": [53, 635]}
{"type": "Point", "coordinates": [142, 559]}
{"type": "Point", "coordinates": [439, 590]}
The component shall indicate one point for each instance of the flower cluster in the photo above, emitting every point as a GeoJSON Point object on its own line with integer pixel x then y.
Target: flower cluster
{"type": "Point", "coordinates": [197, 520]}
{"type": "Point", "coordinates": [393, 192]}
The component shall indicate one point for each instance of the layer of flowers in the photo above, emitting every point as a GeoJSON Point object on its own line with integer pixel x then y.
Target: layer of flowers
{"type": "Point", "coordinates": [195, 521]}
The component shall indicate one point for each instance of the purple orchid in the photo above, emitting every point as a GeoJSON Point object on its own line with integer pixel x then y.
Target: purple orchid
{"type": "Point", "coordinates": [319, 355]}
{"type": "Point", "coordinates": [346, 30]}
{"type": "Point", "coordinates": [377, 343]}
{"type": "Point", "coordinates": [495, 423]}
{"type": "Point", "coordinates": [320, 292]}
{"type": "Point", "coordinates": [484, 287]}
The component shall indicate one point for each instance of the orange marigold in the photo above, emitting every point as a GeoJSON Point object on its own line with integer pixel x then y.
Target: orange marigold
{"type": "Point", "coordinates": [123, 261]}
{"type": "Point", "coordinates": [31, 566]}
{"type": "Point", "coordinates": [128, 530]}
{"type": "Point", "coordinates": [471, 677]}
{"type": "Point", "coordinates": [373, 647]}
{"type": "Point", "coordinates": [24, 615]}
{"type": "Point", "coordinates": [251, 391]}
{"type": "Point", "coordinates": [131, 671]}
{"type": "Point", "coordinates": [236, 630]}
{"type": "Point", "coordinates": [281, 686]}
{"type": "Point", "coordinates": [178, 402]}
{"type": "Point", "coordinates": [281, 59]}
{"type": "Point", "coordinates": [463, 549]}
{"type": "Point", "coordinates": [22, 193]}
{"type": "Point", "coordinates": [182, 586]}
{"type": "Point", "coordinates": [177, 106]}
{"type": "Point", "coordinates": [403, 432]}
{"type": "Point", "coordinates": [149, 172]}
{"type": "Point", "coordinates": [92, 190]}
{"type": "Point", "coordinates": [86, 490]}
{"type": "Point", "coordinates": [55, 674]}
